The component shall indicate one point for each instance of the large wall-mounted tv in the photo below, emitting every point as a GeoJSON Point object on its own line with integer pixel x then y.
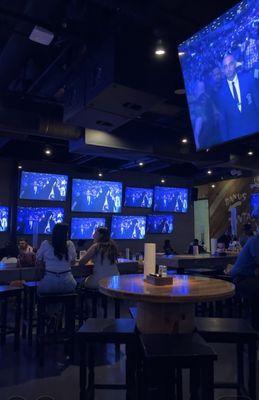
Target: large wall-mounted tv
{"type": "Point", "coordinates": [160, 223]}
{"type": "Point", "coordinates": [128, 227]}
{"type": "Point", "coordinates": [96, 196]}
{"type": "Point", "coordinates": [4, 218]}
{"type": "Point", "coordinates": [138, 197]}
{"type": "Point", "coordinates": [170, 199]}
{"type": "Point", "coordinates": [39, 220]}
{"type": "Point", "coordinates": [42, 186]}
{"type": "Point", "coordinates": [254, 205]}
{"type": "Point", "coordinates": [221, 72]}
{"type": "Point", "coordinates": [84, 228]}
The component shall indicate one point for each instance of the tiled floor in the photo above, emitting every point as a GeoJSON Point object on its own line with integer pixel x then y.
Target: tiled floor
{"type": "Point", "coordinates": [20, 374]}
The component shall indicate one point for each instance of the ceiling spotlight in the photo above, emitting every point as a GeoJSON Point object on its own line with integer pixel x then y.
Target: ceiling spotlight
{"type": "Point", "coordinates": [181, 53]}
{"type": "Point", "coordinates": [207, 150]}
{"type": "Point", "coordinates": [250, 153]}
{"type": "Point", "coordinates": [162, 180]}
{"type": "Point", "coordinates": [213, 186]}
{"type": "Point", "coordinates": [48, 151]}
{"type": "Point", "coordinates": [184, 140]}
{"type": "Point", "coordinates": [160, 49]}
{"type": "Point", "coordinates": [100, 174]}
{"type": "Point", "coordinates": [180, 91]}
{"type": "Point", "coordinates": [141, 164]}
{"type": "Point", "coordinates": [19, 166]}
{"type": "Point", "coordinates": [209, 172]}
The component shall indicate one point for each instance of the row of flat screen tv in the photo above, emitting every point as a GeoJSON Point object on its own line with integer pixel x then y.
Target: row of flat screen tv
{"type": "Point", "coordinates": [41, 220]}
{"type": "Point", "coordinates": [101, 196]}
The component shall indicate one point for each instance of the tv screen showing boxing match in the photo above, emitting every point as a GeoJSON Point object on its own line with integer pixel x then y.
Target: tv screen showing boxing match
{"type": "Point", "coordinates": [42, 186]}
{"type": "Point", "coordinates": [96, 196]}
{"type": "Point", "coordinates": [138, 197]}
{"type": "Point", "coordinates": [160, 224]}
{"type": "Point", "coordinates": [39, 220]}
{"type": "Point", "coordinates": [84, 228]}
{"type": "Point", "coordinates": [128, 227]}
{"type": "Point", "coordinates": [170, 199]}
{"type": "Point", "coordinates": [220, 67]}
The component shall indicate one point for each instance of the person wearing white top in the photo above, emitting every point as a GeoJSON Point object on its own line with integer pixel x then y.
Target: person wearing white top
{"type": "Point", "coordinates": [104, 255]}
{"type": "Point", "coordinates": [58, 256]}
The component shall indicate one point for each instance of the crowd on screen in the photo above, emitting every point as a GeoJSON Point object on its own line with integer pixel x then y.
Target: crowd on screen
{"type": "Point", "coordinates": [84, 229]}
{"type": "Point", "coordinates": [231, 42]}
{"type": "Point", "coordinates": [128, 228]}
{"type": "Point", "coordinates": [138, 198]}
{"type": "Point", "coordinates": [3, 219]}
{"type": "Point", "coordinates": [160, 224]}
{"type": "Point", "coordinates": [170, 200]}
{"type": "Point", "coordinates": [41, 220]}
{"type": "Point", "coordinates": [95, 196]}
{"type": "Point", "coordinates": [42, 186]}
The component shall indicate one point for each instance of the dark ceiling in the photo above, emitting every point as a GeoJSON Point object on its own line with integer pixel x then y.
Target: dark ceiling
{"type": "Point", "coordinates": [34, 81]}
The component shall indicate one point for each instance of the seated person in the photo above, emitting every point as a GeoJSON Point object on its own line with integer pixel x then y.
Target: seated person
{"type": "Point", "coordinates": [225, 238]}
{"type": "Point", "coordinates": [11, 253]}
{"type": "Point", "coordinates": [58, 256]}
{"type": "Point", "coordinates": [196, 243]}
{"type": "Point", "coordinates": [104, 255]}
{"type": "Point", "coordinates": [168, 248]}
{"type": "Point", "coordinates": [24, 246]}
{"type": "Point", "coordinates": [245, 271]}
{"type": "Point", "coordinates": [246, 234]}
{"type": "Point", "coordinates": [26, 260]}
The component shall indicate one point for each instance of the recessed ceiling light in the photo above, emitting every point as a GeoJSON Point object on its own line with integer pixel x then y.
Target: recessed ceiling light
{"type": "Point", "coordinates": [162, 180]}
{"type": "Point", "coordinates": [19, 166]}
{"type": "Point", "coordinates": [184, 140]}
{"type": "Point", "coordinates": [160, 49]}
{"type": "Point", "coordinates": [100, 174]}
{"type": "Point", "coordinates": [48, 151]}
{"type": "Point", "coordinates": [207, 150]}
{"type": "Point", "coordinates": [250, 153]}
{"type": "Point", "coordinates": [213, 186]}
{"type": "Point", "coordinates": [209, 172]}
{"type": "Point", "coordinates": [181, 53]}
{"type": "Point", "coordinates": [180, 91]}
{"type": "Point", "coordinates": [141, 164]}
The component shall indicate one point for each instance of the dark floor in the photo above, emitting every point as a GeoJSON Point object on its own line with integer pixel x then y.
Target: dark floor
{"type": "Point", "coordinates": [20, 374]}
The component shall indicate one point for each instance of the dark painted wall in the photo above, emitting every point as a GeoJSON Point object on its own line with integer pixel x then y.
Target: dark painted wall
{"type": "Point", "coordinates": [183, 223]}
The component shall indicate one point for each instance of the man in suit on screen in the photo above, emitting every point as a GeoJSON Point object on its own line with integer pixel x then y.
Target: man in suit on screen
{"type": "Point", "coordinates": [238, 102]}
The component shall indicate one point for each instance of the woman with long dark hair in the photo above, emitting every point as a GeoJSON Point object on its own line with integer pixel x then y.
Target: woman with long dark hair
{"type": "Point", "coordinates": [104, 255]}
{"type": "Point", "coordinates": [57, 256]}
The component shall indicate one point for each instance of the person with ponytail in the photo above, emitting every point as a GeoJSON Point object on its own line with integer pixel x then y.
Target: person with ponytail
{"type": "Point", "coordinates": [104, 255]}
{"type": "Point", "coordinates": [58, 256]}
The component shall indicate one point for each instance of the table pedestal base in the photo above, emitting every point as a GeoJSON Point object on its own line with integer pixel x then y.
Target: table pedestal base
{"type": "Point", "coordinates": [165, 318]}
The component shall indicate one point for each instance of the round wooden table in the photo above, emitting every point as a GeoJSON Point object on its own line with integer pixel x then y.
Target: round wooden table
{"type": "Point", "coordinates": [170, 308]}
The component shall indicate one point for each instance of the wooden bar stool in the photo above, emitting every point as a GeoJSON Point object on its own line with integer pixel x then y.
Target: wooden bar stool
{"type": "Point", "coordinates": [7, 293]}
{"type": "Point", "coordinates": [67, 336]}
{"type": "Point", "coordinates": [29, 302]}
{"type": "Point", "coordinates": [239, 332]}
{"type": "Point", "coordinates": [164, 356]}
{"type": "Point", "coordinates": [95, 331]}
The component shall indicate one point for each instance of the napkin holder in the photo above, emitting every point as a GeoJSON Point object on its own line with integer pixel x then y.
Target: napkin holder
{"type": "Point", "coordinates": [155, 279]}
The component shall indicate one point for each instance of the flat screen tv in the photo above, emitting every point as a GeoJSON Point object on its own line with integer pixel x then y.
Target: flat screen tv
{"type": "Point", "coordinates": [84, 228]}
{"type": "Point", "coordinates": [160, 223]}
{"type": "Point", "coordinates": [221, 73]}
{"type": "Point", "coordinates": [170, 199]}
{"type": "Point", "coordinates": [254, 205]}
{"type": "Point", "coordinates": [128, 227]}
{"type": "Point", "coordinates": [138, 197]}
{"type": "Point", "coordinates": [42, 186]}
{"type": "Point", "coordinates": [4, 219]}
{"type": "Point", "coordinates": [96, 196]}
{"type": "Point", "coordinates": [39, 220]}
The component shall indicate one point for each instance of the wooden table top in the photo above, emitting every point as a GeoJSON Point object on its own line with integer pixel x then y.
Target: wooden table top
{"type": "Point", "coordinates": [185, 289]}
